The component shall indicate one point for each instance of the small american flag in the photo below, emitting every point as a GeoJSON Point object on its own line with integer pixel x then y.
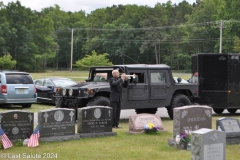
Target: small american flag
{"type": "Point", "coordinates": [34, 139]}
{"type": "Point", "coordinates": [4, 139]}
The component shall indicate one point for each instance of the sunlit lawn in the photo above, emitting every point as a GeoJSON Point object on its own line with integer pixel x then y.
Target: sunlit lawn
{"type": "Point", "coordinates": [124, 146]}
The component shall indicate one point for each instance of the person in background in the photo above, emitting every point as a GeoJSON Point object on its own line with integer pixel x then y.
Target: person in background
{"type": "Point", "coordinates": [116, 85]}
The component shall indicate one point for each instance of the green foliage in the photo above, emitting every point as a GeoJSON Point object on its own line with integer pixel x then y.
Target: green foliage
{"type": "Point", "coordinates": [6, 62]}
{"type": "Point", "coordinates": [93, 60]}
{"type": "Point", "coordinates": [18, 143]}
{"type": "Point", "coordinates": [166, 33]}
{"type": "Point", "coordinates": [236, 46]}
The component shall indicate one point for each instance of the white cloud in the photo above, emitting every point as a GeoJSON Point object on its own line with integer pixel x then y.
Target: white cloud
{"type": "Point", "coordinates": [88, 5]}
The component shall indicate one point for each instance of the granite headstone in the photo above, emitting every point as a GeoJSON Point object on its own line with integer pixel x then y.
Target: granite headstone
{"type": "Point", "coordinates": [191, 118]}
{"type": "Point", "coordinates": [208, 144]}
{"type": "Point", "coordinates": [56, 122]}
{"type": "Point", "coordinates": [94, 119]}
{"type": "Point", "coordinates": [137, 122]}
{"type": "Point", "coordinates": [17, 124]}
{"type": "Point", "coordinates": [232, 128]}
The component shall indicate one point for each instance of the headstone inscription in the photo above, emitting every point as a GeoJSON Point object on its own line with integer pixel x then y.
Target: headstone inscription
{"type": "Point", "coordinates": [137, 122]}
{"type": "Point", "coordinates": [56, 122]}
{"type": "Point", "coordinates": [191, 118]}
{"type": "Point", "coordinates": [208, 144]}
{"type": "Point", "coordinates": [232, 128]}
{"type": "Point", "coordinates": [17, 124]}
{"type": "Point", "coordinates": [94, 119]}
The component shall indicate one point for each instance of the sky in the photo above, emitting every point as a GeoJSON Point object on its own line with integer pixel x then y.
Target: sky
{"type": "Point", "coordinates": [86, 5]}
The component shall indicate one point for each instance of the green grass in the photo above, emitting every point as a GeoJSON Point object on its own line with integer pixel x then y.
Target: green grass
{"type": "Point", "coordinates": [124, 146]}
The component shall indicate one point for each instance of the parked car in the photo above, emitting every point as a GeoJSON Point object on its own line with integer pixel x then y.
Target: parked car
{"type": "Point", "coordinates": [182, 80]}
{"type": "Point", "coordinates": [46, 87]}
{"type": "Point", "coordinates": [17, 88]}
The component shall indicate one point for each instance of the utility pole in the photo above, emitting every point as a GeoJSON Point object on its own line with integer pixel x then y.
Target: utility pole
{"type": "Point", "coordinates": [71, 51]}
{"type": "Point", "coordinates": [221, 27]}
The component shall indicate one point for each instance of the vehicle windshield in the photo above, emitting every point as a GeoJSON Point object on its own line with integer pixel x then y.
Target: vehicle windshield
{"type": "Point", "coordinates": [63, 82]}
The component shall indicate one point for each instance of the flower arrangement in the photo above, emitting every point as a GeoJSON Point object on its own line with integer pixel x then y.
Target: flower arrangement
{"type": "Point", "coordinates": [151, 128]}
{"type": "Point", "coordinates": [184, 139]}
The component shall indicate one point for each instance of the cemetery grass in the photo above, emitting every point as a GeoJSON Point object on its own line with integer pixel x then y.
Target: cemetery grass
{"type": "Point", "coordinates": [124, 146]}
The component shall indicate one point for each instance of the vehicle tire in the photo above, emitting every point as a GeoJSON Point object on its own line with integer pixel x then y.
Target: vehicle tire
{"type": "Point", "coordinates": [99, 101]}
{"type": "Point", "coordinates": [218, 111]}
{"type": "Point", "coordinates": [28, 105]}
{"type": "Point", "coordinates": [146, 110]}
{"type": "Point", "coordinates": [58, 103]}
{"type": "Point", "coordinates": [232, 110]}
{"type": "Point", "coordinates": [177, 101]}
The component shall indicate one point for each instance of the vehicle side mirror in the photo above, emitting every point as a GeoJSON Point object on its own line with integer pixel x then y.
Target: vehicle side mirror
{"type": "Point", "coordinates": [135, 79]}
{"type": "Point", "coordinates": [87, 80]}
{"type": "Point", "coordinates": [179, 79]}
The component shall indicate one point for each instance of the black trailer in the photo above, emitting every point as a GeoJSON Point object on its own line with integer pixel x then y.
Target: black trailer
{"type": "Point", "coordinates": [219, 80]}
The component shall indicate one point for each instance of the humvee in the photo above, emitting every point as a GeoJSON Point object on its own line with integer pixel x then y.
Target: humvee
{"type": "Point", "coordinates": [152, 86]}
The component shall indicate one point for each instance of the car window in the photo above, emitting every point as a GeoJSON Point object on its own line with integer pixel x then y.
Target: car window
{"type": "Point", "coordinates": [63, 82]}
{"type": "Point", "coordinates": [39, 82]}
{"type": "Point", "coordinates": [158, 77]}
{"type": "Point", "coordinates": [47, 83]}
{"type": "Point", "coordinates": [16, 78]}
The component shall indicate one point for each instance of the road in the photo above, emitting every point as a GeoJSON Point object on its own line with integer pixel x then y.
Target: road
{"type": "Point", "coordinates": [162, 112]}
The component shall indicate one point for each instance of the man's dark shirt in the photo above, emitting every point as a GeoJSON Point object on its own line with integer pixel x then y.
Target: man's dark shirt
{"type": "Point", "coordinates": [116, 85]}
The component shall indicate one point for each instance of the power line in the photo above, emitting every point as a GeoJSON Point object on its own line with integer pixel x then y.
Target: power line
{"type": "Point", "coordinates": [151, 28]}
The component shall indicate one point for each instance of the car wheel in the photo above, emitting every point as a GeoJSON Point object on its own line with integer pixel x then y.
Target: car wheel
{"type": "Point", "coordinates": [232, 110]}
{"type": "Point", "coordinates": [177, 101]}
{"type": "Point", "coordinates": [218, 111]}
{"type": "Point", "coordinates": [99, 101]}
{"type": "Point", "coordinates": [26, 105]}
{"type": "Point", "coordinates": [146, 110]}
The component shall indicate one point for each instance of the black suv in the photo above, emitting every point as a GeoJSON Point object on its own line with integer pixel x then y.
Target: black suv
{"type": "Point", "coordinates": [152, 86]}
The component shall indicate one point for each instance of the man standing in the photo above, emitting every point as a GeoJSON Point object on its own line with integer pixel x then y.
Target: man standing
{"type": "Point", "coordinates": [116, 85]}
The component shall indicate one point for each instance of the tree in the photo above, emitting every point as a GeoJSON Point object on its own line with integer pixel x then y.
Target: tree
{"type": "Point", "coordinates": [93, 60]}
{"type": "Point", "coordinates": [236, 46]}
{"type": "Point", "coordinates": [6, 62]}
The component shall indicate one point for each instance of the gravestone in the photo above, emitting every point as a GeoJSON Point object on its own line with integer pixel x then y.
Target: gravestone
{"type": "Point", "coordinates": [190, 118]}
{"type": "Point", "coordinates": [17, 124]}
{"type": "Point", "coordinates": [94, 119]}
{"type": "Point", "coordinates": [232, 128]}
{"type": "Point", "coordinates": [208, 144]}
{"type": "Point", "coordinates": [56, 122]}
{"type": "Point", "coordinates": [137, 122]}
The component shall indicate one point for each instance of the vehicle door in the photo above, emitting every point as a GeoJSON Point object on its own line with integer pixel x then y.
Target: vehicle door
{"type": "Point", "coordinates": [39, 87]}
{"type": "Point", "coordinates": [138, 91]}
{"type": "Point", "coordinates": [48, 90]}
{"type": "Point", "coordinates": [159, 85]}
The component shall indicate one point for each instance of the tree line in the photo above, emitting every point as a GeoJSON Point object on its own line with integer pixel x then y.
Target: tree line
{"type": "Point", "coordinates": [166, 33]}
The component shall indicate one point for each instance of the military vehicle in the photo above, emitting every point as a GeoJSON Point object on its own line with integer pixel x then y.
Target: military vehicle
{"type": "Point", "coordinates": [149, 87]}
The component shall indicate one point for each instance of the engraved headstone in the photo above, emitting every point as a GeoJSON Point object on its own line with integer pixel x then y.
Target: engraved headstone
{"type": "Point", "coordinates": [17, 124]}
{"type": "Point", "coordinates": [232, 128]}
{"type": "Point", "coordinates": [94, 119]}
{"type": "Point", "coordinates": [191, 118]}
{"type": "Point", "coordinates": [56, 122]}
{"type": "Point", "coordinates": [137, 122]}
{"type": "Point", "coordinates": [208, 144]}
{"type": "Point", "coordinates": [229, 125]}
